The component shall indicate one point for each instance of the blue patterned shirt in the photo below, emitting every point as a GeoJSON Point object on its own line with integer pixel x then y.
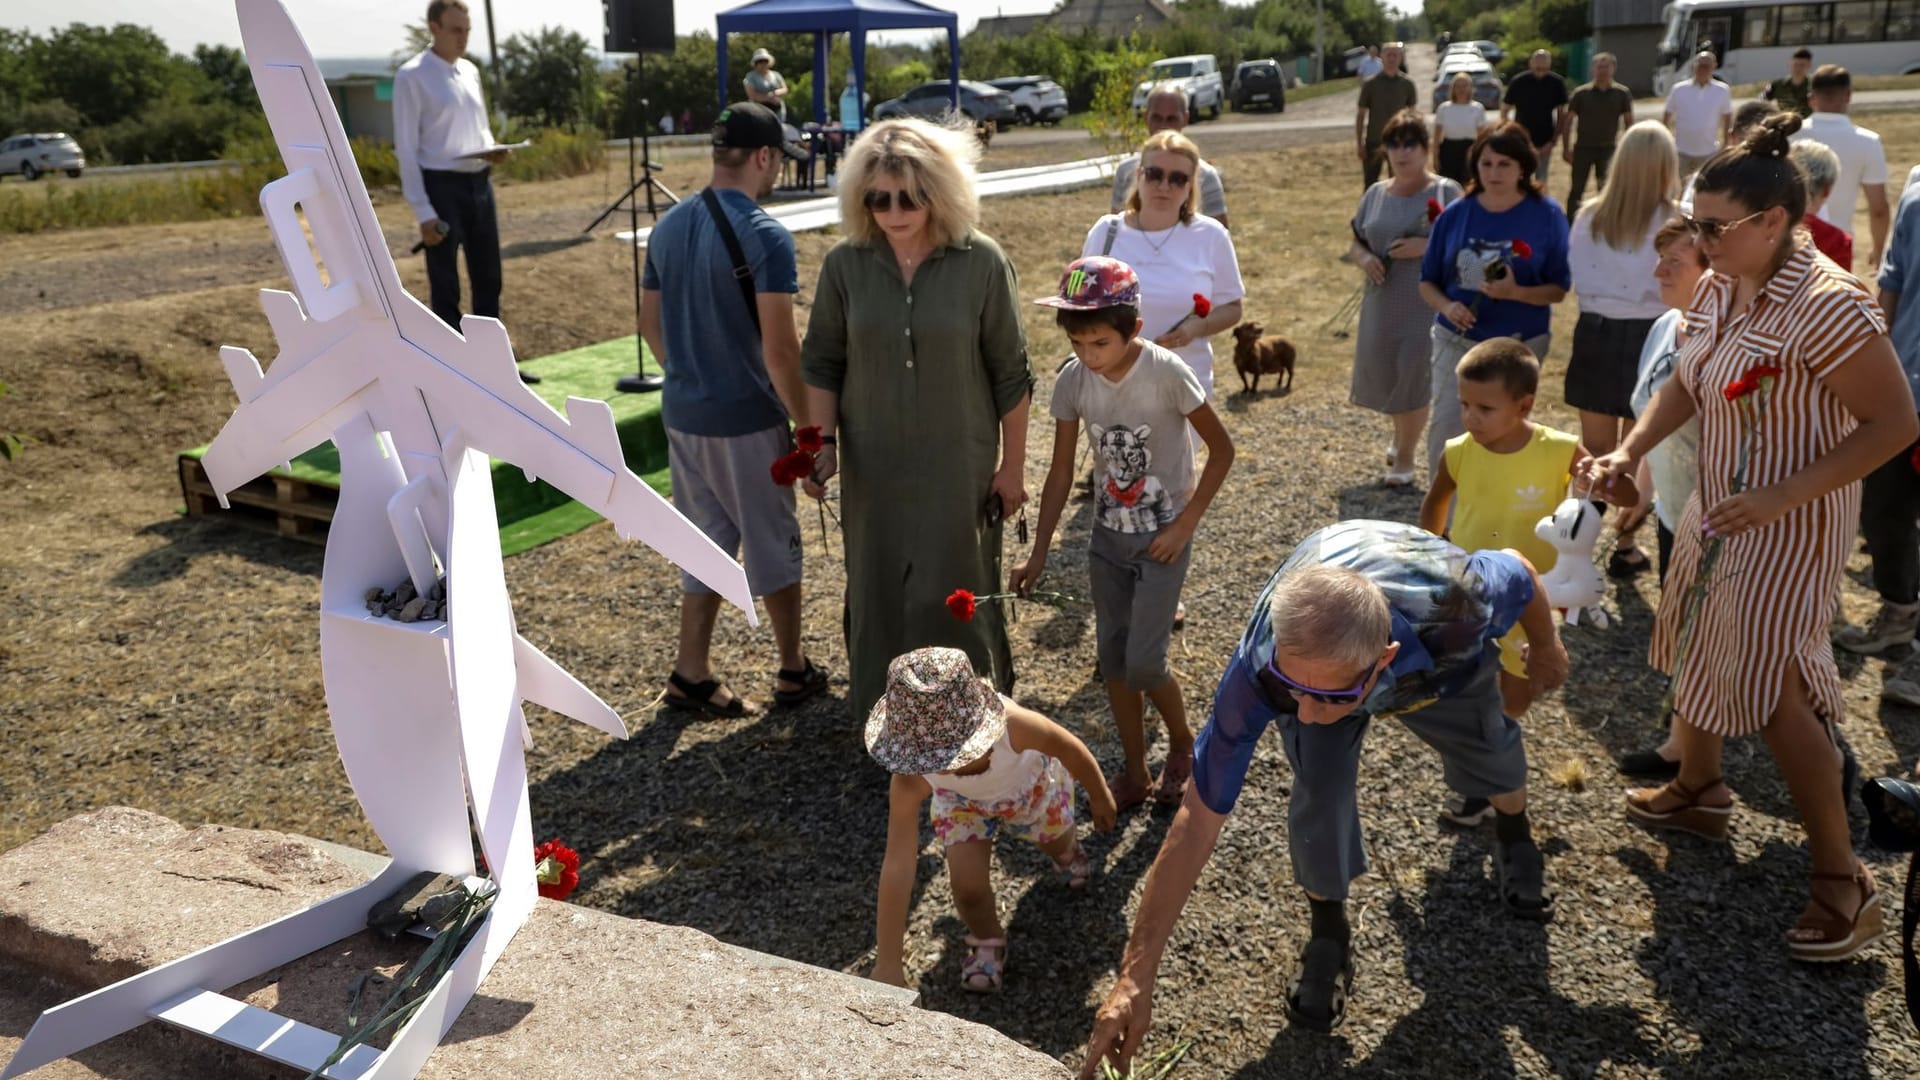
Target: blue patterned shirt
{"type": "Point", "coordinates": [1449, 607]}
{"type": "Point", "coordinates": [1900, 273]}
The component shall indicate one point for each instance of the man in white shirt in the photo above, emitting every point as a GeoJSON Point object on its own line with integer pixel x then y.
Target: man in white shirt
{"type": "Point", "coordinates": [1863, 161]}
{"type": "Point", "coordinates": [1699, 112]}
{"type": "Point", "coordinates": [440, 131]}
{"type": "Point", "coordinates": [1371, 65]}
{"type": "Point", "coordinates": [1167, 111]}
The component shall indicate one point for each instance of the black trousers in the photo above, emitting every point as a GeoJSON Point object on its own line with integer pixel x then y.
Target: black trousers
{"type": "Point", "coordinates": [1375, 164]}
{"type": "Point", "coordinates": [464, 202]}
{"type": "Point", "coordinates": [1889, 501]}
{"type": "Point", "coordinates": [1587, 160]}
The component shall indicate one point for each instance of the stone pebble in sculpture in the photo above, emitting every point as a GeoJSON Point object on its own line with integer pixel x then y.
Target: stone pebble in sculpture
{"type": "Point", "coordinates": [1574, 584]}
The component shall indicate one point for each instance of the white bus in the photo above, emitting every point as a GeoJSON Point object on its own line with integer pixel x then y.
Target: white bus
{"type": "Point", "coordinates": [1755, 38]}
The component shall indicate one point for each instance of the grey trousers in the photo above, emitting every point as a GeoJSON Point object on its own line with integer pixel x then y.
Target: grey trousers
{"type": "Point", "coordinates": [1445, 422]}
{"type": "Point", "coordinates": [1480, 756]}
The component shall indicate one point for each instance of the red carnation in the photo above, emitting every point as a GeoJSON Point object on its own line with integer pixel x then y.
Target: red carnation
{"type": "Point", "coordinates": [1522, 249]}
{"type": "Point", "coordinates": [793, 467]}
{"type": "Point", "coordinates": [1761, 371]}
{"type": "Point", "coordinates": [557, 869]}
{"type": "Point", "coordinates": [1739, 388]}
{"type": "Point", "coordinates": [808, 439]}
{"type": "Point", "coordinates": [1433, 210]}
{"type": "Point", "coordinates": [961, 604]}
{"type": "Point", "coordinates": [1202, 307]}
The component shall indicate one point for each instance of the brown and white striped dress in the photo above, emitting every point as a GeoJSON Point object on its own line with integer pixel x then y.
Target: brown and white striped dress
{"type": "Point", "coordinates": [1771, 595]}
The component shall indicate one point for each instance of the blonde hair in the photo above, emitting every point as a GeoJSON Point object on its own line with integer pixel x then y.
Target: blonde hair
{"type": "Point", "coordinates": [1643, 181]}
{"type": "Point", "coordinates": [1460, 78]}
{"type": "Point", "coordinates": [1169, 142]}
{"type": "Point", "coordinates": [935, 162]}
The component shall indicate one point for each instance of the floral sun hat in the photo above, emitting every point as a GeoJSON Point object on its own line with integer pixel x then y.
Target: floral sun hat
{"type": "Point", "coordinates": [937, 714]}
{"type": "Point", "coordinates": [1094, 282]}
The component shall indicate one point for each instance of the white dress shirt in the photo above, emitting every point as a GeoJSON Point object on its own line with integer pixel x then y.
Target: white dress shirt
{"type": "Point", "coordinates": [1696, 113]}
{"type": "Point", "coordinates": [1862, 161]}
{"type": "Point", "coordinates": [439, 113]}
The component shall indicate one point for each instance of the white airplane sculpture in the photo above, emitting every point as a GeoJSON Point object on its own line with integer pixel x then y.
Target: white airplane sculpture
{"type": "Point", "coordinates": [427, 715]}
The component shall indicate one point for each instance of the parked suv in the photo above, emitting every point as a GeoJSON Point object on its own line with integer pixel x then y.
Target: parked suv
{"type": "Point", "coordinates": [1259, 83]}
{"type": "Point", "coordinates": [1036, 98]}
{"type": "Point", "coordinates": [33, 155]}
{"type": "Point", "coordinates": [982, 103]}
{"type": "Point", "coordinates": [1199, 74]}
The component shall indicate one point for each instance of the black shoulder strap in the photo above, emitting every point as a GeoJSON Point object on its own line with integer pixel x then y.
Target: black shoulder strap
{"type": "Point", "coordinates": [1113, 230]}
{"type": "Point", "coordinates": [742, 273]}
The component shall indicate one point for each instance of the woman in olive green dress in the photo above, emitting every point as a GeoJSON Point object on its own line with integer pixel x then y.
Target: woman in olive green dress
{"type": "Point", "coordinates": [916, 365]}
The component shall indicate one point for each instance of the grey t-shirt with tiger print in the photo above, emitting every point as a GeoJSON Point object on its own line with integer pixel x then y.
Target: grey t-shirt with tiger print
{"type": "Point", "coordinates": [1137, 427]}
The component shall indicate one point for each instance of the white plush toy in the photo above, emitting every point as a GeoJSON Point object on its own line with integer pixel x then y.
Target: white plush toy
{"type": "Point", "coordinates": [1574, 583]}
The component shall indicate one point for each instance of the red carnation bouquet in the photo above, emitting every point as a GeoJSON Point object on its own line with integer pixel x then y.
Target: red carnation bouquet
{"type": "Point", "coordinates": [1502, 267]}
{"type": "Point", "coordinates": [799, 463]}
{"type": "Point", "coordinates": [557, 869]}
{"type": "Point", "coordinates": [1202, 307]}
{"type": "Point", "coordinates": [1749, 393]}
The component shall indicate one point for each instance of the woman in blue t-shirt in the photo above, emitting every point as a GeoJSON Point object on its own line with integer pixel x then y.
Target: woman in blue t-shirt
{"type": "Point", "coordinates": [1496, 263]}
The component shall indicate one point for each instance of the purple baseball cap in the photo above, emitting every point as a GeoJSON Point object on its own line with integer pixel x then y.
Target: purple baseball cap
{"type": "Point", "coordinates": [1095, 282]}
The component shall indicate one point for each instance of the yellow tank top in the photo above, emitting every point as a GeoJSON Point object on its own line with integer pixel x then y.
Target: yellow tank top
{"type": "Point", "coordinates": [1501, 497]}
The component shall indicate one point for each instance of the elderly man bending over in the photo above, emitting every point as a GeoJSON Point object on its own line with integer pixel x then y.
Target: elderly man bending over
{"type": "Point", "coordinates": [1366, 619]}
{"type": "Point", "coordinates": [1167, 111]}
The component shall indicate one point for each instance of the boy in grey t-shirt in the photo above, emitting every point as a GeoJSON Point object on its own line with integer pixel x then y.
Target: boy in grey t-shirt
{"type": "Point", "coordinates": [1137, 400]}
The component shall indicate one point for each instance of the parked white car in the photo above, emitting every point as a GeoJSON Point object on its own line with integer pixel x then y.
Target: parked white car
{"type": "Point", "coordinates": [1036, 98]}
{"type": "Point", "coordinates": [33, 156]}
{"type": "Point", "coordinates": [1200, 74]}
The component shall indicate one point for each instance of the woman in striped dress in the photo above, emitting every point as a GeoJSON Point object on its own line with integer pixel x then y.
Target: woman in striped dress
{"type": "Point", "coordinates": [1759, 659]}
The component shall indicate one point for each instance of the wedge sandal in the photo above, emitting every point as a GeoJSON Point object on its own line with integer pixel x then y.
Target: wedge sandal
{"type": "Point", "coordinates": [1834, 936]}
{"type": "Point", "coordinates": [1689, 816]}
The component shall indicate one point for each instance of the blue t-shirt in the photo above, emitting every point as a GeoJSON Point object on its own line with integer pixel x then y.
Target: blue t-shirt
{"type": "Point", "coordinates": [1449, 608]}
{"type": "Point", "coordinates": [717, 382]}
{"type": "Point", "coordinates": [1465, 239]}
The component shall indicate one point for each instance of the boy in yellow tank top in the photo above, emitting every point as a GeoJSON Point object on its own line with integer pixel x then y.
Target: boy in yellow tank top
{"type": "Point", "coordinates": [1502, 477]}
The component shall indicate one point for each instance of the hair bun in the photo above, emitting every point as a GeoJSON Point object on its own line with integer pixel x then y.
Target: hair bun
{"type": "Point", "coordinates": [1771, 138]}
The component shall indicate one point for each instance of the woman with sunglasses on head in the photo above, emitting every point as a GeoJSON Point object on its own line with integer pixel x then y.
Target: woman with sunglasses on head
{"type": "Point", "coordinates": [1391, 354]}
{"type": "Point", "coordinates": [1176, 251]}
{"type": "Point", "coordinates": [1758, 658]}
{"type": "Point", "coordinates": [1365, 619]}
{"type": "Point", "coordinates": [1495, 265]}
{"type": "Point", "coordinates": [916, 368]}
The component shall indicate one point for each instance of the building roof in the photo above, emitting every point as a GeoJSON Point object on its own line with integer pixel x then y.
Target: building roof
{"type": "Point", "coordinates": [1109, 17]}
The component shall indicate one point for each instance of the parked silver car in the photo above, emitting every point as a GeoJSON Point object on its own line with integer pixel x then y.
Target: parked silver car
{"type": "Point", "coordinates": [35, 155]}
{"type": "Point", "coordinates": [1036, 98]}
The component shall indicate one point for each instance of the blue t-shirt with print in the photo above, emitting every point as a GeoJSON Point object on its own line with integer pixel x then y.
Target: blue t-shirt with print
{"type": "Point", "coordinates": [1449, 609]}
{"type": "Point", "coordinates": [1900, 273]}
{"type": "Point", "coordinates": [1466, 238]}
{"type": "Point", "coordinates": [717, 383]}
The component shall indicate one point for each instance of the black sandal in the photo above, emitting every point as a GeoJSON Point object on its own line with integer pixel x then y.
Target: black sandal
{"type": "Point", "coordinates": [698, 697]}
{"type": "Point", "coordinates": [811, 680]}
{"type": "Point", "coordinates": [1523, 872]}
{"type": "Point", "coordinates": [1317, 1000]}
{"type": "Point", "coordinates": [1626, 562]}
{"type": "Point", "coordinates": [1648, 765]}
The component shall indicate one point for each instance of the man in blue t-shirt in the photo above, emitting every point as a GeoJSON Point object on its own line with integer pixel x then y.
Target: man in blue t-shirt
{"type": "Point", "coordinates": [1366, 619]}
{"type": "Point", "coordinates": [733, 380]}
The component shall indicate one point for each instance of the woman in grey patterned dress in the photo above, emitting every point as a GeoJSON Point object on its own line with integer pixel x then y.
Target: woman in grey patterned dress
{"type": "Point", "coordinates": [1392, 354]}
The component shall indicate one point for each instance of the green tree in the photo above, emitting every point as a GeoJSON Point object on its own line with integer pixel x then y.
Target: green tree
{"type": "Point", "coordinates": [551, 78]}
{"type": "Point", "coordinates": [107, 74]}
{"type": "Point", "coordinates": [228, 77]}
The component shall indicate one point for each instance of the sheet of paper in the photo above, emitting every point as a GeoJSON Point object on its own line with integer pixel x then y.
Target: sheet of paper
{"type": "Point", "coordinates": [497, 147]}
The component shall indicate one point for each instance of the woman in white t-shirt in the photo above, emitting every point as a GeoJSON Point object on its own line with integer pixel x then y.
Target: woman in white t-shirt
{"type": "Point", "coordinates": [1611, 253]}
{"type": "Point", "coordinates": [1455, 125]}
{"type": "Point", "coordinates": [1176, 251]}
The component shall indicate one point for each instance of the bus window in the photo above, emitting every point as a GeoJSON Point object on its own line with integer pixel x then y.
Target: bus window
{"type": "Point", "coordinates": [1858, 20]}
{"type": "Point", "coordinates": [1903, 20]}
{"type": "Point", "coordinates": [1760, 27]}
{"type": "Point", "coordinates": [1803, 24]}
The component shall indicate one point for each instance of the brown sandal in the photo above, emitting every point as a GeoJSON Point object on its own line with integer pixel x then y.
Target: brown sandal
{"type": "Point", "coordinates": [1691, 816]}
{"type": "Point", "coordinates": [1834, 936]}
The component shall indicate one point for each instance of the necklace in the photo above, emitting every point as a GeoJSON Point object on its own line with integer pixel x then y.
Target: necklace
{"type": "Point", "coordinates": [1164, 240]}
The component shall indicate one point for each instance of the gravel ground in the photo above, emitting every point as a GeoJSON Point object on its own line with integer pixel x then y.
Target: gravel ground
{"type": "Point", "coordinates": [170, 663]}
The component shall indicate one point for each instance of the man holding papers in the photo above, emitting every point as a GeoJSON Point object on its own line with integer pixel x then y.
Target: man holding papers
{"type": "Point", "coordinates": [445, 147]}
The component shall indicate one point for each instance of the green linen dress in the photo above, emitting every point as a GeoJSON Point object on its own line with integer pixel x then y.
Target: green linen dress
{"type": "Point", "coordinates": [924, 373]}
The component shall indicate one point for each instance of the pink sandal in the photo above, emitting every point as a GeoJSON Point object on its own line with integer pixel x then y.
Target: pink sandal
{"type": "Point", "coordinates": [1172, 785]}
{"type": "Point", "coordinates": [986, 961]}
{"type": "Point", "coordinates": [1074, 869]}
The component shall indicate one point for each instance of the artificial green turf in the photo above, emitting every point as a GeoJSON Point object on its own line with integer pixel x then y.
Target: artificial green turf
{"type": "Point", "coordinates": [533, 514]}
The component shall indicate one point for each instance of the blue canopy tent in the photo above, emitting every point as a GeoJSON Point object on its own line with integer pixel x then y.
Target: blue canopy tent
{"type": "Point", "coordinates": [824, 18]}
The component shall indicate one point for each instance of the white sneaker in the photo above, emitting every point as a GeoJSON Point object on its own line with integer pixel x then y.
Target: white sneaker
{"type": "Point", "coordinates": [1893, 624]}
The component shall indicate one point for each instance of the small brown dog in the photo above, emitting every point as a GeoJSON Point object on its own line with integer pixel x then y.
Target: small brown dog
{"type": "Point", "coordinates": [1255, 356]}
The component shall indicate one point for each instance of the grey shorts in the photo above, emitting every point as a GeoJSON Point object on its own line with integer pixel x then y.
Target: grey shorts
{"type": "Point", "coordinates": [1133, 602]}
{"type": "Point", "coordinates": [725, 487]}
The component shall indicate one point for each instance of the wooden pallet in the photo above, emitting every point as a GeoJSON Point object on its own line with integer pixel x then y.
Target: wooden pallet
{"type": "Point", "coordinates": [284, 505]}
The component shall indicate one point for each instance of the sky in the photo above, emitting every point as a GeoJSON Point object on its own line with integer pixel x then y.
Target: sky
{"type": "Point", "coordinates": [369, 28]}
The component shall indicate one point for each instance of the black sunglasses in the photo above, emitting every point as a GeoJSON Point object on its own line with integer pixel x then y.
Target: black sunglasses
{"type": "Point", "coordinates": [1154, 174]}
{"type": "Point", "coordinates": [882, 201]}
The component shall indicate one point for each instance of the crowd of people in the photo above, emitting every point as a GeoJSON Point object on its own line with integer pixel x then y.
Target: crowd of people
{"type": "Point", "coordinates": [1708, 303]}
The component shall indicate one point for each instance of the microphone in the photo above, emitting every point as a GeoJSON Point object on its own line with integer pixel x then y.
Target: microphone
{"type": "Point", "coordinates": [439, 228]}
